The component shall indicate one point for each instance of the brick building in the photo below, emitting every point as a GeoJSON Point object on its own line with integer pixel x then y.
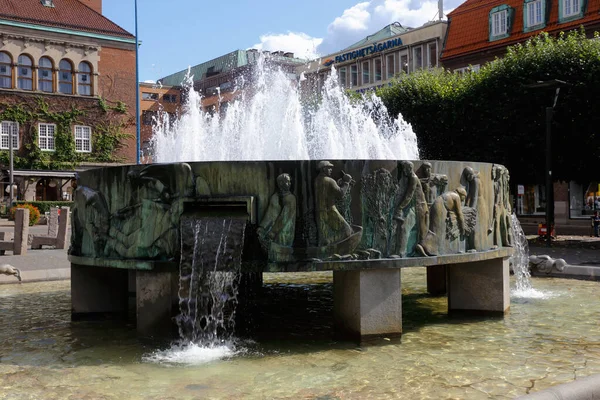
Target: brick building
{"type": "Point", "coordinates": [158, 104]}
{"type": "Point", "coordinates": [67, 93]}
{"type": "Point", "coordinates": [481, 30]}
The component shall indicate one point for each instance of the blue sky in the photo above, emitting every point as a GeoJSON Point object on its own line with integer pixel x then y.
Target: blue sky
{"type": "Point", "coordinates": [178, 33]}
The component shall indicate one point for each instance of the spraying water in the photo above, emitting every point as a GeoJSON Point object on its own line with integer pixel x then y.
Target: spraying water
{"type": "Point", "coordinates": [270, 120]}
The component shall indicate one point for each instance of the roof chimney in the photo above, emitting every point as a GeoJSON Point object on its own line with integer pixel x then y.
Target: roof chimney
{"type": "Point", "coordinates": [95, 5]}
{"type": "Point", "coordinates": [441, 9]}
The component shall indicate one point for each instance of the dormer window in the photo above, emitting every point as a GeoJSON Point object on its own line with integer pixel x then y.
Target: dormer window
{"type": "Point", "coordinates": [500, 22]}
{"type": "Point", "coordinates": [48, 3]}
{"type": "Point", "coordinates": [569, 10]}
{"type": "Point", "coordinates": [534, 15]}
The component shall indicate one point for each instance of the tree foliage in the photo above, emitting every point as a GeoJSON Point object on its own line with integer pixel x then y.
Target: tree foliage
{"type": "Point", "coordinates": [492, 116]}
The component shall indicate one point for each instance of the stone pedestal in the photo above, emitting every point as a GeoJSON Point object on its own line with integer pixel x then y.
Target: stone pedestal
{"type": "Point", "coordinates": [436, 280]}
{"type": "Point", "coordinates": [156, 298]}
{"type": "Point", "coordinates": [98, 291]}
{"type": "Point", "coordinates": [21, 231]}
{"type": "Point", "coordinates": [367, 303]}
{"type": "Point", "coordinates": [62, 236]}
{"type": "Point", "coordinates": [480, 286]}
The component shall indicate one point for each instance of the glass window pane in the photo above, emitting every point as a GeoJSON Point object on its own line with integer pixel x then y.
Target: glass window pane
{"type": "Point", "coordinates": [84, 90]}
{"type": "Point", "coordinates": [66, 88]}
{"type": "Point", "coordinates": [377, 67]}
{"type": "Point", "coordinates": [391, 68]}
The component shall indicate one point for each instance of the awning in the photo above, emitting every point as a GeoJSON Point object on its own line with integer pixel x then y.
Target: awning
{"type": "Point", "coordinates": [41, 173]}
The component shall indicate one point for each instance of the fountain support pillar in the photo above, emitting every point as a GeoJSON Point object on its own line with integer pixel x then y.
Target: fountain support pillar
{"type": "Point", "coordinates": [156, 297]}
{"type": "Point", "coordinates": [436, 280]}
{"type": "Point", "coordinates": [98, 291]}
{"type": "Point", "coordinates": [480, 286]}
{"type": "Point", "coordinates": [367, 303]}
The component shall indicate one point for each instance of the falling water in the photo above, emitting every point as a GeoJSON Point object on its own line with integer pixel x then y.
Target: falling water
{"type": "Point", "coordinates": [520, 263]}
{"type": "Point", "coordinates": [520, 258]}
{"type": "Point", "coordinates": [271, 120]}
{"type": "Point", "coordinates": [209, 272]}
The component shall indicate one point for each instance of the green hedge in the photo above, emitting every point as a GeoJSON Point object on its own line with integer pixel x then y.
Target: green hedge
{"type": "Point", "coordinates": [44, 206]}
{"type": "Point", "coordinates": [493, 116]}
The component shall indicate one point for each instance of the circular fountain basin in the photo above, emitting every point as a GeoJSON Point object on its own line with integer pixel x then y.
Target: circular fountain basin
{"type": "Point", "coordinates": [300, 215]}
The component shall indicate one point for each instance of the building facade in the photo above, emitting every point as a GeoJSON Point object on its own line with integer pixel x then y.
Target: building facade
{"type": "Point", "coordinates": [158, 104]}
{"type": "Point", "coordinates": [378, 58]}
{"type": "Point", "coordinates": [67, 93]}
{"type": "Point", "coordinates": [480, 31]}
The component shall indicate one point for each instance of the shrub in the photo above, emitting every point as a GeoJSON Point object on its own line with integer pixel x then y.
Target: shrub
{"type": "Point", "coordinates": [34, 213]}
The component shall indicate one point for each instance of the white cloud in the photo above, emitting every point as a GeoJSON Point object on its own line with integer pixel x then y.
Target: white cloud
{"type": "Point", "coordinates": [302, 45]}
{"type": "Point", "coordinates": [367, 18]}
{"type": "Point", "coordinates": [355, 23]}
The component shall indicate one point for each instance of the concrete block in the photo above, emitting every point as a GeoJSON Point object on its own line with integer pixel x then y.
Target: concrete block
{"type": "Point", "coordinates": [156, 296]}
{"type": "Point", "coordinates": [62, 236]}
{"type": "Point", "coordinates": [481, 286]}
{"type": "Point", "coordinates": [97, 290]}
{"type": "Point", "coordinates": [436, 280]}
{"type": "Point", "coordinates": [368, 303]}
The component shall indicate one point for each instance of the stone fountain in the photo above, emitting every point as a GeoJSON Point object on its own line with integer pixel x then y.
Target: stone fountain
{"type": "Point", "coordinates": [160, 232]}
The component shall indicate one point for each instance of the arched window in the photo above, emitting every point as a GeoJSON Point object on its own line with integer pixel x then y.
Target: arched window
{"type": "Point", "coordinates": [25, 73]}
{"type": "Point", "coordinates": [65, 77]}
{"type": "Point", "coordinates": [84, 79]}
{"type": "Point", "coordinates": [5, 70]}
{"type": "Point", "coordinates": [45, 75]}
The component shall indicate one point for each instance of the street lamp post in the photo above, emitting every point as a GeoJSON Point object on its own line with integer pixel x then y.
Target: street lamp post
{"type": "Point", "coordinates": [137, 89]}
{"type": "Point", "coordinates": [11, 167]}
{"type": "Point", "coordinates": [551, 84]}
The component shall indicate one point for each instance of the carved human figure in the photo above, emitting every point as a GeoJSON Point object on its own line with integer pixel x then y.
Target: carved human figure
{"type": "Point", "coordinates": [475, 200]}
{"type": "Point", "coordinates": [331, 226]}
{"type": "Point", "coordinates": [432, 184]}
{"type": "Point", "coordinates": [447, 224]}
{"type": "Point", "coordinates": [279, 223]}
{"type": "Point", "coordinates": [507, 236]}
{"type": "Point", "coordinates": [497, 211]}
{"type": "Point", "coordinates": [411, 201]}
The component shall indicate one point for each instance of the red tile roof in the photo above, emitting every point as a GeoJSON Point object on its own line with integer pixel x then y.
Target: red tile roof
{"type": "Point", "coordinates": [68, 14]}
{"type": "Point", "coordinates": [468, 31]}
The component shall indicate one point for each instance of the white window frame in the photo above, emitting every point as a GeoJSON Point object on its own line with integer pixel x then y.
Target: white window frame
{"type": "Point", "coordinates": [83, 139]}
{"type": "Point", "coordinates": [500, 23]}
{"type": "Point", "coordinates": [573, 5]}
{"type": "Point", "coordinates": [4, 135]}
{"type": "Point", "coordinates": [45, 137]}
{"type": "Point", "coordinates": [535, 13]}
